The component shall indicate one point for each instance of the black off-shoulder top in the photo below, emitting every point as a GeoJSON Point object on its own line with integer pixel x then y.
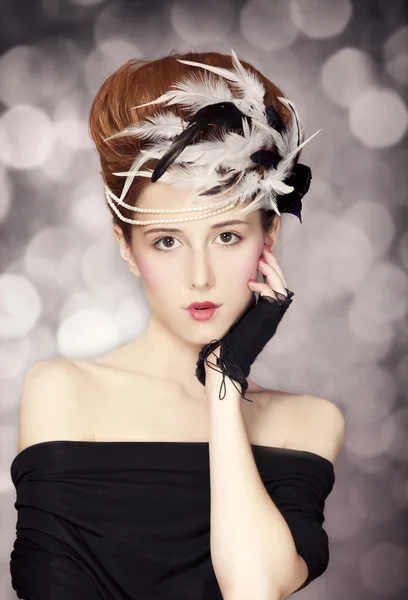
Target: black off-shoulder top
{"type": "Point", "coordinates": [131, 520]}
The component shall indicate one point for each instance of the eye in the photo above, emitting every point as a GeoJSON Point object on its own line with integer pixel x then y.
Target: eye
{"type": "Point", "coordinates": [156, 244]}
{"type": "Point", "coordinates": [170, 237]}
{"type": "Point", "coordinates": [227, 233]}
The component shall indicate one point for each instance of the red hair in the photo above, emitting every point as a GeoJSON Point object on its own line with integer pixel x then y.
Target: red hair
{"type": "Point", "coordinates": [139, 81]}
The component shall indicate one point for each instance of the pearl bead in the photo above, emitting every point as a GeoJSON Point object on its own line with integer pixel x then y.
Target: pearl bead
{"type": "Point", "coordinates": [110, 195]}
{"type": "Point", "coordinates": [158, 210]}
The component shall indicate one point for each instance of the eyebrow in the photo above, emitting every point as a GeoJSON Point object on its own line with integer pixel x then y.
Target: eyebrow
{"type": "Point", "coordinates": [215, 226]}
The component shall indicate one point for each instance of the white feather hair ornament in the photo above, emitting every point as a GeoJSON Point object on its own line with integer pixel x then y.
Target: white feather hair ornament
{"type": "Point", "coordinates": [231, 163]}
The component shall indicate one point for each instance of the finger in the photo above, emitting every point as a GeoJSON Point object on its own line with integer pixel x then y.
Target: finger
{"type": "Point", "coordinates": [271, 260]}
{"type": "Point", "coordinates": [262, 288]}
{"type": "Point", "coordinates": [273, 279]}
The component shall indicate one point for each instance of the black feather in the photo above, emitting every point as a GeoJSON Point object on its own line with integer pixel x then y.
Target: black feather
{"type": "Point", "coordinates": [266, 158]}
{"type": "Point", "coordinates": [221, 113]}
{"type": "Point", "coordinates": [297, 124]}
{"type": "Point", "coordinates": [274, 119]}
{"type": "Point", "coordinates": [222, 187]}
{"type": "Point", "coordinates": [300, 179]}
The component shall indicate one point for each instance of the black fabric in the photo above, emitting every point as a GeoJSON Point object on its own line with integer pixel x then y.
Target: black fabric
{"type": "Point", "coordinates": [131, 520]}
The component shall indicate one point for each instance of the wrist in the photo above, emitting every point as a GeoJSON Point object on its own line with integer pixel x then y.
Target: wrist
{"type": "Point", "coordinates": [221, 392]}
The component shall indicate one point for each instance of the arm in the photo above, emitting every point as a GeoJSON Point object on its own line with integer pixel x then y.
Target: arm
{"type": "Point", "coordinates": [253, 550]}
{"type": "Point", "coordinates": [43, 567]}
{"type": "Point", "coordinates": [319, 427]}
{"type": "Point", "coordinates": [37, 574]}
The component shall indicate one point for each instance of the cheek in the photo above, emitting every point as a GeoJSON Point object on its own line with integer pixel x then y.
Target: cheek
{"type": "Point", "coordinates": [248, 266]}
{"type": "Point", "coordinates": [153, 274]}
{"type": "Point", "coordinates": [148, 272]}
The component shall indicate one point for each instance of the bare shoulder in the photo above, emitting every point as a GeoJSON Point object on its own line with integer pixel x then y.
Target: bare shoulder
{"type": "Point", "coordinates": [49, 403]}
{"type": "Point", "coordinates": [318, 425]}
{"type": "Point", "coordinates": [311, 423]}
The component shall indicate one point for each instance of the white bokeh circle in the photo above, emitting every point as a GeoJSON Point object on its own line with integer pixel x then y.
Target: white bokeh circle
{"type": "Point", "coordinates": [27, 137]}
{"type": "Point", "coordinates": [378, 118]}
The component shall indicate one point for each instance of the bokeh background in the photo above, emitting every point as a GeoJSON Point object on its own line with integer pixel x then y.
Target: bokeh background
{"type": "Point", "coordinates": [64, 289]}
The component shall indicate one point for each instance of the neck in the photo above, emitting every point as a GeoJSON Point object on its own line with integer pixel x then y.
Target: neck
{"type": "Point", "coordinates": [160, 353]}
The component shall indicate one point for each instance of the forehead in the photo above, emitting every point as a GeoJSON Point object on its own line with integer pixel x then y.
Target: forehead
{"type": "Point", "coordinates": [165, 196]}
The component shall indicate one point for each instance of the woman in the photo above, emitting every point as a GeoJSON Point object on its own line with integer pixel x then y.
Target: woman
{"type": "Point", "coordinates": [160, 470]}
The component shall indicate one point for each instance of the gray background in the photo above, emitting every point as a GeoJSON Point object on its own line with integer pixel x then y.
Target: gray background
{"type": "Point", "coordinates": [64, 289]}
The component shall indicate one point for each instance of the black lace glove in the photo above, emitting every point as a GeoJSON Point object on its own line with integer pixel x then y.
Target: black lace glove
{"type": "Point", "coordinates": [244, 341]}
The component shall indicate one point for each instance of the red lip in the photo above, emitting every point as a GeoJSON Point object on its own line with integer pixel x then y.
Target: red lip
{"type": "Point", "coordinates": [202, 305]}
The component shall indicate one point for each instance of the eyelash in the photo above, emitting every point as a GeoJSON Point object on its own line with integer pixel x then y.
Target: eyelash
{"type": "Point", "coordinates": [170, 236]}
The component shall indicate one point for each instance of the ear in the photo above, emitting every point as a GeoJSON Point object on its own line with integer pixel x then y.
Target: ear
{"type": "Point", "coordinates": [271, 236]}
{"type": "Point", "coordinates": [125, 251]}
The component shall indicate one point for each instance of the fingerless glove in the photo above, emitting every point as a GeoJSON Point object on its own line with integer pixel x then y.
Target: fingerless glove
{"type": "Point", "coordinates": [244, 341]}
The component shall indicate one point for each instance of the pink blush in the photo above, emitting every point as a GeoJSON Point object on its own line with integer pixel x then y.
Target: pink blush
{"type": "Point", "coordinates": [248, 267]}
{"type": "Point", "coordinates": [147, 273]}
{"type": "Point", "coordinates": [154, 275]}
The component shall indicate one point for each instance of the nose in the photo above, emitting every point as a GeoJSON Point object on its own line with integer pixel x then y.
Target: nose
{"type": "Point", "coordinates": [202, 275]}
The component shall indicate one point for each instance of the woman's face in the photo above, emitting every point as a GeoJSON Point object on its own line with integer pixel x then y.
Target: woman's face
{"type": "Point", "coordinates": [202, 261]}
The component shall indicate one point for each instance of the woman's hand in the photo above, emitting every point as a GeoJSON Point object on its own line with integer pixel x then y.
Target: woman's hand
{"type": "Point", "coordinates": [238, 349]}
{"type": "Point", "coordinates": [275, 281]}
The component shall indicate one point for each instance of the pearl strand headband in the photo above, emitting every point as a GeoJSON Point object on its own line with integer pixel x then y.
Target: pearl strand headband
{"type": "Point", "coordinates": [219, 166]}
{"type": "Point", "coordinates": [111, 196]}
